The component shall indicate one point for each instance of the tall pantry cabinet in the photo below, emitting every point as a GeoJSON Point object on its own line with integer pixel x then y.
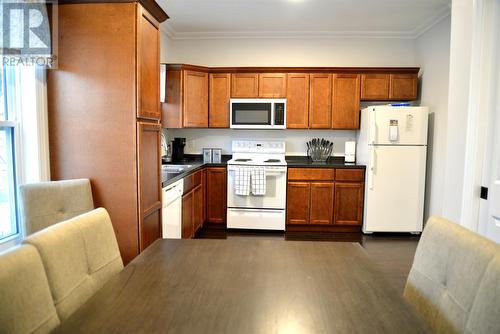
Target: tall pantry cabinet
{"type": "Point", "coordinates": [104, 112]}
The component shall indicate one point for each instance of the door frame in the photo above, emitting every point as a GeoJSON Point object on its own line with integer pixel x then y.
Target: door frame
{"type": "Point", "coordinates": [483, 92]}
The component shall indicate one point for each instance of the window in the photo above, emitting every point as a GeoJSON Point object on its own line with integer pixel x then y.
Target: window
{"type": "Point", "coordinates": [9, 223]}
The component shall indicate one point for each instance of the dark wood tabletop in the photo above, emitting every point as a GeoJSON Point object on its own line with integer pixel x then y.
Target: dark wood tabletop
{"type": "Point", "coordinates": [247, 285]}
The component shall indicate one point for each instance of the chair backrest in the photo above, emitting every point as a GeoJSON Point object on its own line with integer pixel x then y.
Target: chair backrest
{"type": "Point", "coordinates": [79, 256]}
{"type": "Point", "coordinates": [454, 283]}
{"type": "Point", "coordinates": [26, 304]}
{"type": "Point", "coordinates": [47, 203]}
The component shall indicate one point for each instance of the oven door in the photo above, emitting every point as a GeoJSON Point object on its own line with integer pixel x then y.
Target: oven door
{"type": "Point", "coordinates": [251, 114]}
{"type": "Point", "coordinates": [275, 197]}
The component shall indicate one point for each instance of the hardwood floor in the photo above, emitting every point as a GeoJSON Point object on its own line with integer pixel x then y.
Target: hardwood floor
{"type": "Point", "coordinates": [392, 253]}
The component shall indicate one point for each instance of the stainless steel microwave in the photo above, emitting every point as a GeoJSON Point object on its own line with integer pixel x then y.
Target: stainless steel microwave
{"type": "Point", "coordinates": [258, 113]}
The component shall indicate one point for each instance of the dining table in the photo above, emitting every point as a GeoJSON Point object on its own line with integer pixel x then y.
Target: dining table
{"type": "Point", "coordinates": [247, 285]}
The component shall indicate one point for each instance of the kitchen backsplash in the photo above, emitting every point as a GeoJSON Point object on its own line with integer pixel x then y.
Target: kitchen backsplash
{"type": "Point", "coordinates": [197, 139]}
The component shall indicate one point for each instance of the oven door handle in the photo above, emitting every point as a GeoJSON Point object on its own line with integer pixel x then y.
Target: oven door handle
{"type": "Point", "coordinates": [253, 210]}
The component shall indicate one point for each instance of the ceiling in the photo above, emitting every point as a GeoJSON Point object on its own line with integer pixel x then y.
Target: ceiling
{"type": "Point", "coordinates": [296, 18]}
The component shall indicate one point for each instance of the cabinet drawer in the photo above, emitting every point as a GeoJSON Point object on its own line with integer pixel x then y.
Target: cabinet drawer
{"type": "Point", "coordinates": [192, 181]}
{"type": "Point", "coordinates": [311, 174]}
{"type": "Point", "coordinates": [350, 174]}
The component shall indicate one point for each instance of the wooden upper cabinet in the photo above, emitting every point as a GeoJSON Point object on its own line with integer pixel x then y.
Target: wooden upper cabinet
{"type": "Point", "coordinates": [148, 66]}
{"type": "Point", "coordinates": [298, 202]}
{"type": "Point", "coordinates": [297, 101]}
{"type": "Point", "coordinates": [346, 98]}
{"type": "Point", "coordinates": [403, 87]}
{"type": "Point", "coordinates": [322, 202]}
{"type": "Point", "coordinates": [245, 85]}
{"type": "Point", "coordinates": [195, 99]}
{"type": "Point", "coordinates": [320, 101]}
{"type": "Point", "coordinates": [375, 86]}
{"type": "Point", "coordinates": [348, 207]}
{"type": "Point", "coordinates": [219, 95]}
{"type": "Point", "coordinates": [272, 85]}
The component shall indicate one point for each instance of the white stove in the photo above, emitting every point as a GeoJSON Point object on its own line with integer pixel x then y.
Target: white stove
{"type": "Point", "coordinates": [264, 211]}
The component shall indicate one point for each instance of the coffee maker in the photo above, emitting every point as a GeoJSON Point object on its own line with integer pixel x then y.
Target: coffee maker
{"type": "Point", "coordinates": [178, 149]}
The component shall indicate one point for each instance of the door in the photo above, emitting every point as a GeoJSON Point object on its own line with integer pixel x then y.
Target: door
{"type": "Point", "coordinates": [219, 95]}
{"type": "Point", "coordinates": [297, 101]}
{"type": "Point", "coordinates": [148, 66]}
{"type": "Point", "coordinates": [409, 125]}
{"type": "Point", "coordinates": [348, 208]}
{"type": "Point", "coordinates": [187, 215]}
{"type": "Point", "coordinates": [275, 197]}
{"type": "Point", "coordinates": [216, 195]}
{"type": "Point", "coordinates": [298, 202]}
{"type": "Point", "coordinates": [394, 196]}
{"type": "Point", "coordinates": [272, 85]}
{"type": "Point", "coordinates": [197, 208]}
{"type": "Point", "coordinates": [321, 202]}
{"type": "Point", "coordinates": [320, 101]}
{"type": "Point", "coordinates": [245, 85]}
{"type": "Point", "coordinates": [345, 105]}
{"type": "Point", "coordinates": [195, 100]}
{"type": "Point", "coordinates": [149, 182]}
{"type": "Point", "coordinates": [375, 87]}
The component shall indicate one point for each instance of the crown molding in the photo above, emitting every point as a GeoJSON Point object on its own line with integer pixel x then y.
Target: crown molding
{"type": "Point", "coordinates": [380, 34]}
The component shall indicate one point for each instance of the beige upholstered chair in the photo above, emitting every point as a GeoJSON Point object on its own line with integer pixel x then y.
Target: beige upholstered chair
{"type": "Point", "coordinates": [26, 304]}
{"type": "Point", "coordinates": [46, 203]}
{"type": "Point", "coordinates": [454, 283]}
{"type": "Point", "coordinates": [79, 256]}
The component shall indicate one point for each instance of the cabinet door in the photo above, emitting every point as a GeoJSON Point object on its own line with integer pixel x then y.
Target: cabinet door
{"type": "Point", "coordinates": [187, 215]}
{"type": "Point", "coordinates": [272, 85]}
{"type": "Point", "coordinates": [345, 105]}
{"type": "Point", "coordinates": [219, 94]}
{"type": "Point", "coordinates": [375, 87]}
{"type": "Point", "coordinates": [197, 208]}
{"type": "Point", "coordinates": [148, 66]}
{"type": "Point", "coordinates": [245, 85]}
{"type": "Point", "coordinates": [297, 101]}
{"type": "Point", "coordinates": [149, 182]}
{"type": "Point", "coordinates": [320, 101]}
{"type": "Point", "coordinates": [204, 196]}
{"type": "Point", "coordinates": [298, 201]}
{"type": "Point", "coordinates": [216, 195]}
{"type": "Point", "coordinates": [348, 209]}
{"type": "Point", "coordinates": [195, 108]}
{"type": "Point", "coordinates": [403, 87]}
{"type": "Point", "coordinates": [322, 202]}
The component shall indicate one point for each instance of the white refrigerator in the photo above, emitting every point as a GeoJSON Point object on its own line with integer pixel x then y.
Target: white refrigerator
{"type": "Point", "coordinates": [392, 143]}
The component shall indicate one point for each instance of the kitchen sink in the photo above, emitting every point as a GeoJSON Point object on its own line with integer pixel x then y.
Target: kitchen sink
{"type": "Point", "coordinates": [173, 169]}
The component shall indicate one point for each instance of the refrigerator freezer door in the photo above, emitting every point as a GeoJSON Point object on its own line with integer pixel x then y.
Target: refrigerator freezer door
{"type": "Point", "coordinates": [398, 125]}
{"type": "Point", "coordinates": [394, 195]}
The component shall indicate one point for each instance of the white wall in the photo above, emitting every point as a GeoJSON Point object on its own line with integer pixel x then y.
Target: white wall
{"type": "Point", "coordinates": [197, 139]}
{"type": "Point", "coordinates": [433, 55]}
{"type": "Point", "coordinates": [290, 52]}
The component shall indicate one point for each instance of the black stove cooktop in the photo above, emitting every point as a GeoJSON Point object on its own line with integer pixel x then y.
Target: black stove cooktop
{"type": "Point", "coordinates": [243, 160]}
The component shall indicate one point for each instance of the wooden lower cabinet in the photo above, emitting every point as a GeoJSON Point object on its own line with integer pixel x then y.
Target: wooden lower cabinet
{"type": "Point", "coordinates": [321, 207]}
{"type": "Point", "coordinates": [348, 203]}
{"type": "Point", "coordinates": [197, 208]}
{"type": "Point", "coordinates": [298, 201]}
{"type": "Point", "coordinates": [325, 199]}
{"type": "Point", "coordinates": [216, 195]}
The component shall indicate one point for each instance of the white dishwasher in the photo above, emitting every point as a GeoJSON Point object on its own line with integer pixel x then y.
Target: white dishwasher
{"type": "Point", "coordinates": [172, 210]}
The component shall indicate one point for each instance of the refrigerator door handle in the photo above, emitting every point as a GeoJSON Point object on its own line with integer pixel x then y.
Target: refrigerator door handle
{"type": "Point", "coordinates": [371, 170]}
{"type": "Point", "coordinates": [372, 127]}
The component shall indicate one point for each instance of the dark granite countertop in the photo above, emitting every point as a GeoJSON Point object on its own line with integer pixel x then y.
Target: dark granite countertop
{"type": "Point", "coordinates": [333, 162]}
{"type": "Point", "coordinates": [196, 163]}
